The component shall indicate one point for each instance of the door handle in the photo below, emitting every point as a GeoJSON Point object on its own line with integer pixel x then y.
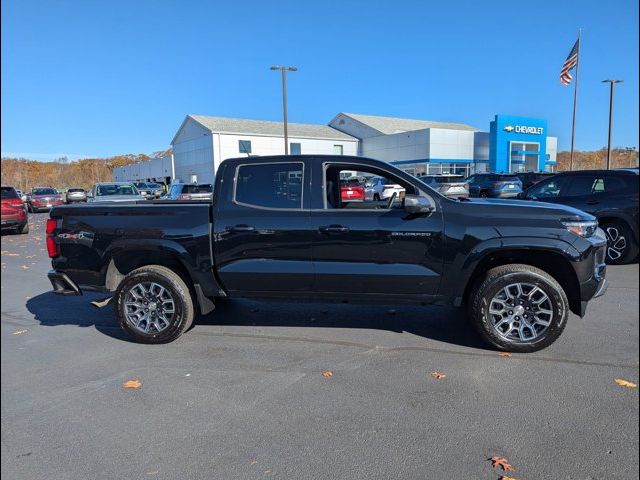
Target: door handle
{"type": "Point", "coordinates": [333, 229]}
{"type": "Point", "coordinates": [241, 228]}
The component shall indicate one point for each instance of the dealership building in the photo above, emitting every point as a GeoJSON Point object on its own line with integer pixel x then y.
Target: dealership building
{"type": "Point", "coordinates": [511, 144]}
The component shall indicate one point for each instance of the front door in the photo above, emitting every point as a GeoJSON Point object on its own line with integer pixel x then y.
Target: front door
{"type": "Point", "coordinates": [262, 240]}
{"type": "Point", "coordinates": [373, 247]}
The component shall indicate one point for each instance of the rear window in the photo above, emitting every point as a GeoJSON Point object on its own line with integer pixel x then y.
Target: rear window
{"type": "Point", "coordinates": [44, 191]}
{"type": "Point", "coordinates": [204, 188]}
{"type": "Point", "coordinates": [450, 179]}
{"type": "Point", "coordinates": [275, 185]}
{"type": "Point", "coordinates": [72, 190]}
{"type": "Point", "coordinates": [507, 178]}
{"type": "Point", "coordinates": [8, 193]}
{"type": "Point", "coordinates": [116, 189]}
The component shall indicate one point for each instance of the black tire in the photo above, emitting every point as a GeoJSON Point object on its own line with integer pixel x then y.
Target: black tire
{"type": "Point", "coordinates": [621, 248]}
{"type": "Point", "coordinates": [183, 314]}
{"type": "Point", "coordinates": [376, 197]}
{"type": "Point", "coordinates": [496, 280]}
{"type": "Point", "coordinates": [25, 228]}
{"type": "Point", "coordinates": [484, 194]}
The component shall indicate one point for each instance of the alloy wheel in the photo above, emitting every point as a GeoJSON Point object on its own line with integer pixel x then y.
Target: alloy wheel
{"type": "Point", "coordinates": [149, 307]}
{"type": "Point", "coordinates": [616, 243]}
{"type": "Point", "coordinates": [521, 312]}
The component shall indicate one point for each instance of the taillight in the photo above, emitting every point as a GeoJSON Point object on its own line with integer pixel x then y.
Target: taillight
{"type": "Point", "coordinates": [184, 196]}
{"type": "Point", "coordinates": [53, 249]}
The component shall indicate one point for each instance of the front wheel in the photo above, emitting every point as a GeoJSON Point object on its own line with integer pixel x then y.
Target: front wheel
{"type": "Point", "coordinates": [620, 246]}
{"type": "Point", "coordinates": [154, 304]}
{"type": "Point", "coordinates": [519, 308]}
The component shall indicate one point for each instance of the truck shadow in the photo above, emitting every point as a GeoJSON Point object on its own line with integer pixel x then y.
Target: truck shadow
{"type": "Point", "coordinates": [444, 324]}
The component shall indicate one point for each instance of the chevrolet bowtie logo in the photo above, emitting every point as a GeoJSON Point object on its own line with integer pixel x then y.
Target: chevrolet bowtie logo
{"type": "Point", "coordinates": [509, 128]}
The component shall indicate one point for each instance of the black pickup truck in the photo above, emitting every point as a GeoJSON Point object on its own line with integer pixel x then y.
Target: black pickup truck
{"type": "Point", "coordinates": [278, 228]}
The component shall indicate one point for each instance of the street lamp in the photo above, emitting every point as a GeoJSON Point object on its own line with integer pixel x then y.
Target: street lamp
{"type": "Point", "coordinates": [284, 101]}
{"type": "Point", "coordinates": [611, 83]}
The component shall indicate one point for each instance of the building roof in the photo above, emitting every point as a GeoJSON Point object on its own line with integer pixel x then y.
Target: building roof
{"type": "Point", "coordinates": [244, 126]}
{"type": "Point", "coordinates": [389, 125]}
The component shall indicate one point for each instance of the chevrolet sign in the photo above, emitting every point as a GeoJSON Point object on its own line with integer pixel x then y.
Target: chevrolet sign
{"type": "Point", "coordinates": [523, 129]}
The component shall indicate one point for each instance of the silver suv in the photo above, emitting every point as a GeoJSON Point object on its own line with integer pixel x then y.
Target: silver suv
{"type": "Point", "coordinates": [189, 191]}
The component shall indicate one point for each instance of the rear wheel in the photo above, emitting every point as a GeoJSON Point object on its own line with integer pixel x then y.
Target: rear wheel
{"type": "Point", "coordinates": [484, 194]}
{"type": "Point", "coordinates": [519, 308]}
{"type": "Point", "coordinates": [376, 197]}
{"type": "Point", "coordinates": [620, 245]}
{"type": "Point", "coordinates": [154, 304]}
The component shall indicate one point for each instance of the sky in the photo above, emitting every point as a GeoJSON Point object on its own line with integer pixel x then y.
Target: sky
{"type": "Point", "coordinates": [98, 78]}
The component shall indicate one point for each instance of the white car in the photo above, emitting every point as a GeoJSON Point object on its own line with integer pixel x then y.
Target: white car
{"type": "Point", "coordinates": [378, 188]}
{"type": "Point", "coordinates": [114, 192]}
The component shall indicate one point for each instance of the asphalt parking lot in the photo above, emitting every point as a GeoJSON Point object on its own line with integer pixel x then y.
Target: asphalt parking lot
{"type": "Point", "coordinates": [242, 394]}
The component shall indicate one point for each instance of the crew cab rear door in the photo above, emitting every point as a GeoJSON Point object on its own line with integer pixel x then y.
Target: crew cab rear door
{"type": "Point", "coordinates": [262, 239]}
{"type": "Point", "coordinates": [373, 248]}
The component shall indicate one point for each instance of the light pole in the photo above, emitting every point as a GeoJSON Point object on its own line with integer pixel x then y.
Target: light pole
{"type": "Point", "coordinates": [611, 83]}
{"type": "Point", "coordinates": [284, 70]}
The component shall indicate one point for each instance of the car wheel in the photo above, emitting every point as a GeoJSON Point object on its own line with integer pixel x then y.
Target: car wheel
{"type": "Point", "coordinates": [24, 229]}
{"type": "Point", "coordinates": [376, 197]}
{"type": "Point", "coordinates": [484, 194]}
{"type": "Point", "coordinates": [519, 308]}
{"type": "Point", "coordinates": [154, 305]}
{"type": "Point", "coordinates": [620, 245]}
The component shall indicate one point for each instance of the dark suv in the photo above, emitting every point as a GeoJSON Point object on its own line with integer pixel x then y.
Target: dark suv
{"type": "Point", "coordinates": [529, 179]}
{"type": "Point", "coordinates": [189, 191]}
{"type": "Point", "coordinates": [609, 195]}
{"type": "Point", "coordinates": [501, 185]}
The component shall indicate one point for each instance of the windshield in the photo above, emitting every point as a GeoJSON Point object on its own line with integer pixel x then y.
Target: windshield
{"type": "Point", "coordinates": [44, 191]}
{"type": "Point", "coordinates": [8, 192]}
{"type": "Point", "coordinates": [116, 189]}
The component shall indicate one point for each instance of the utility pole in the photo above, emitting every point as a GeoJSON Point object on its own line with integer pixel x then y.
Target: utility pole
{"type": "Point", "coordinates": [611, 83]}
{"type": "Point", "coordinates": [284, 71]}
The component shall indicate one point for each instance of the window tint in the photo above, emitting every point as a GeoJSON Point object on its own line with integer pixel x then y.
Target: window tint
{"type": "Point", "coordinates": [204, 188]}
{"type": "Point", "coordinates": [583, 185]}
{"type": "Point", "coordinates": [244, 146]}
{"type": "Point", "coordinates": [116, 189]}
{"type": "Point", "coordinates": [277, 185]}
{"type": "Point", "coordinates": [44, 191]}
{"type": "Point", "coordinates": [549, 188]}
{"type": "Point", "coordinates": [71, 190]}
{"type": "Point", "coordinates": [8, 192]}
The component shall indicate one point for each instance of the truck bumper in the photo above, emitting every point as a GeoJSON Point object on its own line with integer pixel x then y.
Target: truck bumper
{"type": "Point", "coordinates": [62, 284]}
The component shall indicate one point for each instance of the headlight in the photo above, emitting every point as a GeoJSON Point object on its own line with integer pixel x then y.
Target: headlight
{"type": "Point", "coordinates": [584, 228]}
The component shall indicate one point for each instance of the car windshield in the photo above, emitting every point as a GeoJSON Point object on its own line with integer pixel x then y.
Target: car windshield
{"type": "Point", "coordinates": [116, 189]}
{"type": "Point", "coordinates": [204, 188]}
{"type": "Point", "coordinates": [8, 193]}
{"type": "Point", "coordinates": [153, 185]}
{"type": "Point", "coordinates": [44, 191]}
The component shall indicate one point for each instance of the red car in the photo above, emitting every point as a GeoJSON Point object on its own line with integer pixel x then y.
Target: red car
{"type": "Point", "coordinates": [43, 198]}
{"type": "Point", "coordinates": [351, 191]}
{"type": "Point", "coordinates": [14, 213]}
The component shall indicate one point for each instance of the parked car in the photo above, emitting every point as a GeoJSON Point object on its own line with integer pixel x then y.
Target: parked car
{"type": "Point", "coordinates": [42, 199]}
{"type": "Point", "coordinates": [14, 212]}
{"type": "Point", "coordinates": [189, 191]}
{"type": "Point", "coordinates": [519, 267]}
{"type": "Point", "coordinates": [148, 190]}
{"type": "Point", "coordinates": [610, 195]}
{"type": "Point", "coordinates": [499, 185]}
{"type": "Point", "coordinates": [529, 179]}
{"type": "Point", "coordinates": [379, 188]}
{"type": "Point", "coordinates": [351, 191]}
{"type": "Point", "coordinates": [447, 184]}
{"type": "Point", "coordinates": [76, 195]}
{"type": "Point", "coordinates": [114, 192]}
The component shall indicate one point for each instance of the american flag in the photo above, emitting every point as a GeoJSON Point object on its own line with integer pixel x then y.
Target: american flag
{"type": "Point", "coordinates": [569, 63]}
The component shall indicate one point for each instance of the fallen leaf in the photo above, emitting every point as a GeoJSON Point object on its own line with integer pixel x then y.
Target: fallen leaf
{"type": "Point", "coordinates": [132, 384]}
{"type": "Point", "coordinates": [20, 332]}
{"type": "Point", "coordinates": [438, 375]}
{"type": "Point", "coordinates": [504, 477]}
{"type": "Point", "coordinates": [502, 463]}
{"type": "Point", "coordinates": [505, 354]}
{"type": "Point", "coordinates": [327, 373]}
{"type": "Point", "coordinates": [625, 383]}
{"type": "Point", "coordinates": [24, 267]}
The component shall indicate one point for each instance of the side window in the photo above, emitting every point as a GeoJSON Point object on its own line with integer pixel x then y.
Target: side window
{"type": "Point", "coordinates": [610, 184]}
{"type": "Point", "coordinates": [584, 185]}
{"type": "Point", "coordinates": [553, 187]}
{"type": "Point", "coordinates": [295, 148]}
{"type": "Point", "coordinates": [273, 185]}
{"type": "Point", "coordinates": [244, 146]}
{"type": "Point", "coordinates": [368, 189]}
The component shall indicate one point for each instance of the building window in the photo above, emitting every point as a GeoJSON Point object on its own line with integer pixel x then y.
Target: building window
{"type": "Point", "coordinates": [244, 146]}
{"type": "Point", "coordinates": [338, 150]}
{"type": "Point", "coordinates": [295, 148]}
{"type": "Point", "coordinates": [271, 185]}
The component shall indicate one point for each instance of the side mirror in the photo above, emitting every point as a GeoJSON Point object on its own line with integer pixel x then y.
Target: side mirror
{"type": "Point", "coordinates": [418, 204]}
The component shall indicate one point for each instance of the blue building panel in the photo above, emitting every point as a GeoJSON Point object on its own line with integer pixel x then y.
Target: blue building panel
{"type": "Point", "coordinates": [507, 131]}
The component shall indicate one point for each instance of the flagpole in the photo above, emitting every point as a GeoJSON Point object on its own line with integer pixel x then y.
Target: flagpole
{"type": "Point", "coordinates": [575, 101]}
